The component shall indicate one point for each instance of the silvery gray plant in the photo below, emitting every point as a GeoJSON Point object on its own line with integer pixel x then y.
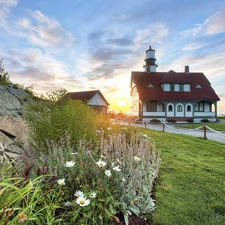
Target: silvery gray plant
{"type": "Point", "coordinates": [139, 161]}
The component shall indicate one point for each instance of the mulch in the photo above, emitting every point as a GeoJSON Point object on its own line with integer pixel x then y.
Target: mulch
{"type": "Point", "coordinates": [133, 220]}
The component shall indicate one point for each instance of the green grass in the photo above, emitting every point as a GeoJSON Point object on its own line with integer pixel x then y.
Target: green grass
{"type": "Point", "coordinates": [190, 189]}
{"type": "Point", "coordinates": [214, 126]}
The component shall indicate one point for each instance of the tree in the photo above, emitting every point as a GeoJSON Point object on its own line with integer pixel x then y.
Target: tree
{"type": "Point", "coordinates": [4, 76]}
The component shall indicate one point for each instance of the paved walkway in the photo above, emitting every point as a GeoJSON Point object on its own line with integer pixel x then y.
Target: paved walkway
{"type": "Point", "coordinates": [210, 134]}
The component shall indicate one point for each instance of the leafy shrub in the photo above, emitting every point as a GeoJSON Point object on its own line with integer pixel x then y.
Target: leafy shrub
{"type": "Point", "coordinates": [4, 76]}
{"type": "Point", "coordinates": [204, 120]}
{"type": "Point", "coordinates": [155, 121]}
{"type": "Point", "coordinates": [113, 175]}
{"type": "Point", "coordinates": [190, 120]}
{"type": "Point", "coordinates": [171, 120]}
{"type": "Point", "coordinates": [53, 115]}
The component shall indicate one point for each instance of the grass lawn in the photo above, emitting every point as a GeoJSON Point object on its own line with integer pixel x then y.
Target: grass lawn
{"type": "Point", "coordinates": [214, 126]}
{"type": "Point", "coordinates": [190, 189]}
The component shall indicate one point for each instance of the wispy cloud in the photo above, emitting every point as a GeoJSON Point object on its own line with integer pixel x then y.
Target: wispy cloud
{"type": "Point", "coordinates": [44, 31]}
{"type": "Point", "coordinates": [5, 8]}
{"type": "Point", "coordinates": [155, 33]}
{"type": "Point", "coordinates": [212, 25]}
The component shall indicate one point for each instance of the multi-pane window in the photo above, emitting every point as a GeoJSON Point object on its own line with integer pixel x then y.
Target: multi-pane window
{"type": "Point", "coordinates": [199, 107]}
{"type": "Point", "coordinates": [179, 108]}
{"type": "Point", "coordinates": [172, 87]}
{"type": "Point", "coordinates": [181, 87]}
{"type": "Point", "coordinates": [170, 108]}
{"type": "Point", "coordinates": [151, 106]}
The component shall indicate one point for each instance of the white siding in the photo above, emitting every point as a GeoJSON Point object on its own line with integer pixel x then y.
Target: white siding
{"type": "Point", "coordinates": [97, 100]}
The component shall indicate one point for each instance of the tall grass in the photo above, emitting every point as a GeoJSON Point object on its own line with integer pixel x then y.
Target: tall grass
{"type": "Point", "coordinates": [54, 114]}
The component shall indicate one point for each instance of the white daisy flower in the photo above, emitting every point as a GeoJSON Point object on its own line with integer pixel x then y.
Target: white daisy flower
{"type": "Point", "coordinates": [70, 164]}
{"type": "Point", "coordinates": [82, 201]}
{"type": "Point", "coordinates": [92, 195]}
{"type": "Point", "coordinates": [116, 168]}
{"type": "Point", "coordinates": [79, 194]}
{"type": "Point", "coordinates": [136, 159]}
{"type": "Point", "coordinates": [101, 163]}
{"type": "Point", "coordinates": [61, 181]}
{"type": "Point", "coordinates": [108, 173]}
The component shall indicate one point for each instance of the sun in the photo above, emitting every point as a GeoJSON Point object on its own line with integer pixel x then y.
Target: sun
{"type": "Point", "coordinates": [122, 104]}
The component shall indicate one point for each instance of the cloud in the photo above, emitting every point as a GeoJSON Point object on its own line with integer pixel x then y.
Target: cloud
{"type": "Point", "coordinates": [193, 46]}
{"type": "Point", "coordinates": [5, 7]}
{"type": "Point", "coordinates": [32, 66]}
{"type": "Point", "coordinates": [43, 31]}
{"type": "Point", "coordinates": [121, 18]}
{"type": "Point", "coordinates": [155, 33]}
{"type": "Point", "coordinates": [96, 35]}
{"type": "Point", "coordinates": [212, 25]}
{"type": "Point", "coordinates": [120, 41]}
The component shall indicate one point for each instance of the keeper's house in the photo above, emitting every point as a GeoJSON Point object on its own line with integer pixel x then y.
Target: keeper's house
{"type": "Point", "coordinates": [166, 96]}
{"type": "Point", "coordinates": [94, 99]}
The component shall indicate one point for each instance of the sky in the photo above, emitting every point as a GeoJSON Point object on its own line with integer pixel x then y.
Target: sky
{"type": "Point", "coordinates": [82, 45]}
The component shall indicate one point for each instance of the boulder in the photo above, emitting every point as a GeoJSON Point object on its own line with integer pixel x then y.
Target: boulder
{"type": "Point", "coordinates": [12, 100]}
{"type": "Point", "coordinates": [13, 129]}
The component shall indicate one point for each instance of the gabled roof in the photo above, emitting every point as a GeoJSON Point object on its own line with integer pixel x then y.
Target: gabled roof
{"type": "Point", "coordinates": [143, 79]}
{"type": "Point", "coordinates": [86, 96]}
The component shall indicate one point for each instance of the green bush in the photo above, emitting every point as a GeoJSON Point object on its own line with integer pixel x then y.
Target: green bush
{"type": "Point", "coordinates": [4, 76]}
{"type": "Point", "coordinates": [54, 114]}
{"type": "Point", "coordinates": [155, 121]}
{"type": "Point", "coordinates": [204, 120]}
{"type": "Point", "coordinates": [113, 175]}
{"type": "Point", "coordinates": [171, 120]}
{"type": "Point", "coordinates": [190, 120]}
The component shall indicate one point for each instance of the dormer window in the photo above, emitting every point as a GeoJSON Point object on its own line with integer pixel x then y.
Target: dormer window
{"type": "Point", "coordinates": [181, 87]}
{"type": "Point", "coordinates": [172, 87]}
{"type": "Point", "coordinates": [199, 86]}
{"type": "Point", "coordinates": [150, 86]}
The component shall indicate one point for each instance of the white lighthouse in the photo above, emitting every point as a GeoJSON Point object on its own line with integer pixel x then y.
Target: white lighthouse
{"type": "Point", "coordinates": [150, 60]}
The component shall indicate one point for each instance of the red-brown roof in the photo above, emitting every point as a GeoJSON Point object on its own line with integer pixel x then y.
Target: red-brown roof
{"type": "Point", "coordinates": [85, 96]}
{"type": "Point", "coordinates": [143, 79]}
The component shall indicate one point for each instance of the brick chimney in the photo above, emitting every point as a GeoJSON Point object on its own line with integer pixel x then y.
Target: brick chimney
{"type": "Point", "coordinates": [186, 70]}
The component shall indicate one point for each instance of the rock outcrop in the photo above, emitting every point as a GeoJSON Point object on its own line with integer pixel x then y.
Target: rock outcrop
{"type": "Point", "coordinates": [13, 128]}
{"type": "Point", "coordinates": [12, 100]}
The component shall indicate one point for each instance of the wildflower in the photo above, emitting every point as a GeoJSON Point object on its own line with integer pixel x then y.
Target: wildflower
{"type": "Point", "coordinates": [108, 173]}
{"type": "Point", "coordinates": [116, 168]}
{"type": "Point", "coordinates": [68, 204]}
{"type": "Point", "coordinates": [109, 128]}
{"type": "Point", "coordinates": [123, 179]}
{"type": "Point", "coordinates": [22, 217]}
{"type": "Point", "coordinates": [136, 159]}
{"type": "Point", "coordinates": [102, 157]}
{"type": "Point", "coordinates": [92, 195]}
{"type": "Point", "coordinates": [74, 153]}
{"type": "Point", "coordinates": [70, 164]}
{"type": "Point", "coordinates": [79, 194]}
{"type": "Point", "coordinates": [61, 181]}
{"type": "Point", "coordinates": [101, 163]}
{"type": "Point", "coordinates": [82, 201]}
{"type": "Point", "coordinates": [144, 135]}
{"type": "Point", "coordinates": [86, 186]}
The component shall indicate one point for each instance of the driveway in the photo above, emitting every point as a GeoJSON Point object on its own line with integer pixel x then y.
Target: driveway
{"type": "Point", "coordinates": [170, 128]}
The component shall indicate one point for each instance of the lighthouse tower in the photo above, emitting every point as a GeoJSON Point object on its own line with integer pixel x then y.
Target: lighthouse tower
{"type": "Point", "coordinates": [150, 60]}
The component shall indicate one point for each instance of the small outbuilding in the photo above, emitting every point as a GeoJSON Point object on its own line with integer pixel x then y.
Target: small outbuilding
{"type": "Point", "coordinates": [94, 99]}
